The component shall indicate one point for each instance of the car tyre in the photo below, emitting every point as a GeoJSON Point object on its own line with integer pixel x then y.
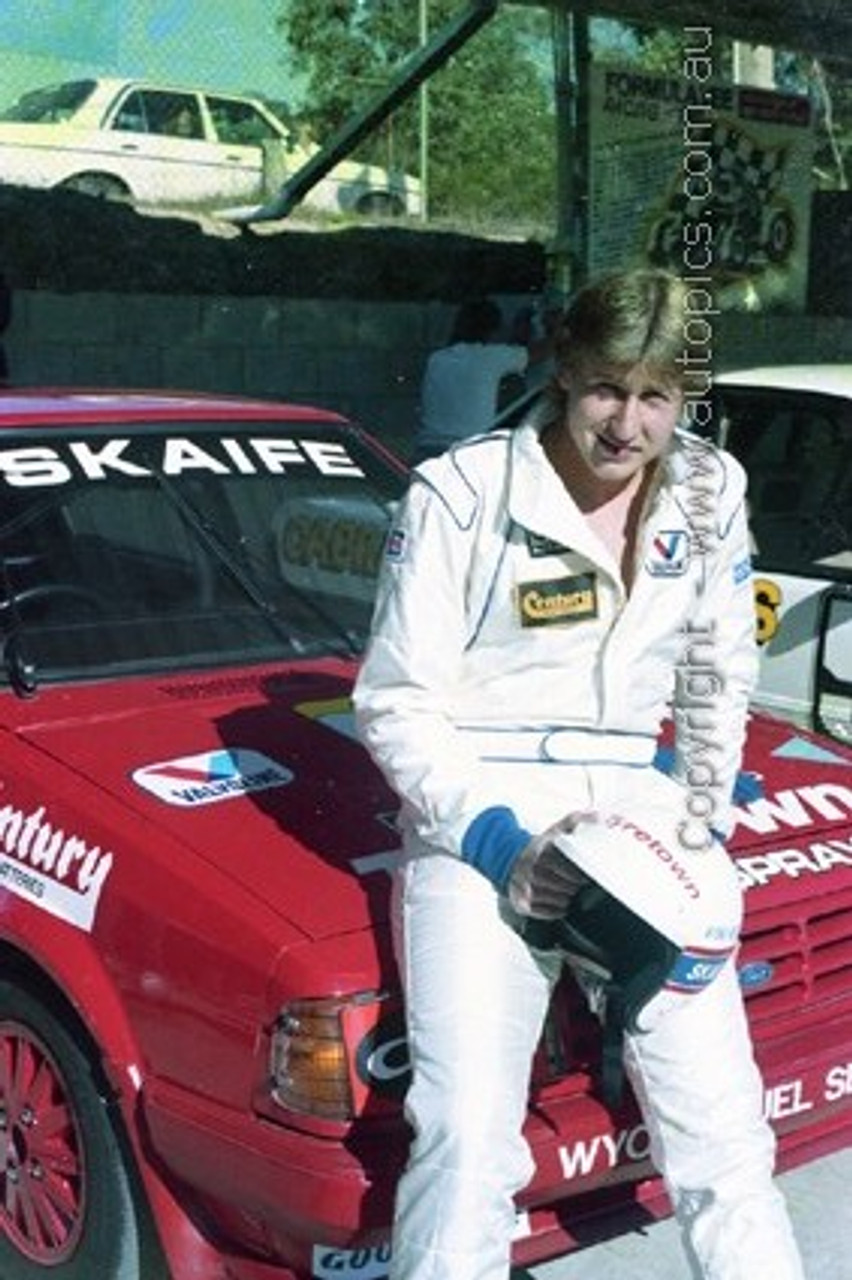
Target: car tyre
{"type": "Point", "coordinates": [380, 204]}
{"type": "Point", "coordinates": [103, 186]}
{"type": "Point", "coordinates": [780, 237]}
{"type": "Point", "coordinates": [69, 1209]}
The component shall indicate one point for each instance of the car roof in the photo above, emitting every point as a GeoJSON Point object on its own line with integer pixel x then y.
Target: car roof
{"type": "Point", "coordinates": [830, 379]}
{"type": "Point", "coordinates": [114, 83]}
{"type": "Point", "coordinates": [31, 405]}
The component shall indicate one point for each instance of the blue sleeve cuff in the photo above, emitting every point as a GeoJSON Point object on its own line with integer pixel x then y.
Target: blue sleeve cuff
{"type": "Point", "coordinates": [493, 843]}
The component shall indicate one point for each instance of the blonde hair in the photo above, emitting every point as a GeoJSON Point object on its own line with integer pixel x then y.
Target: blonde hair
{"type": "Point", "coordinates": [625, 319]}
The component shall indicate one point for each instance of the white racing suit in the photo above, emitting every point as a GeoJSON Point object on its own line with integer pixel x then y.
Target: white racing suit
{"type": "Point", "coordinates": [510, 679]}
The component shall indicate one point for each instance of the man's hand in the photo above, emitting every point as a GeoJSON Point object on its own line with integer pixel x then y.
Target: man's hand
{"type": "Point", "coordinates": [543, 880]}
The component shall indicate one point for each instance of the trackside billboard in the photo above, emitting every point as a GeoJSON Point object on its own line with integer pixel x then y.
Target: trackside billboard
{"type": "Point", "coordinates": [711, 180]}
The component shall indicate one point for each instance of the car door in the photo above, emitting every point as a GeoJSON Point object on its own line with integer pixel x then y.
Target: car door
{"type": "Point", "coordinates": [252, 146]}
{"type": "Point", "coordinates": [166, 147]}
{"type": "Point", "coordinates": [797, 449]}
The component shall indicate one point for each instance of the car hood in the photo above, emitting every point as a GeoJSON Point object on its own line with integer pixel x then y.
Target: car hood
{"type": "Point", "coordinates": [793, 832]}
{"type": "Point", "coordinates": [258, 774]}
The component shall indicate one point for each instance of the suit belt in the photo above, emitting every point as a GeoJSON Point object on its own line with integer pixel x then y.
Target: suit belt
{"type": "Point", "coordinates": [562, 745]}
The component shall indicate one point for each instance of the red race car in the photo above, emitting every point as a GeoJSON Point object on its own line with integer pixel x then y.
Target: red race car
{"type": "Point", "coordinates": [202, 1052]}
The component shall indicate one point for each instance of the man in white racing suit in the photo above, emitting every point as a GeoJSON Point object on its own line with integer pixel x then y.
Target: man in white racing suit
{"type": "Point", "coordinates": [546, 596]}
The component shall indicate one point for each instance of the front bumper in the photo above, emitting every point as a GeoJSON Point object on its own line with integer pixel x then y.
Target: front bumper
{"type": "Point", "coordinates": [282, 1201]}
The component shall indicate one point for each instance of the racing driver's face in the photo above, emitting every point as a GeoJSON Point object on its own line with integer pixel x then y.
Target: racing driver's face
{"type": "Point", "coordinates": [617, 421]}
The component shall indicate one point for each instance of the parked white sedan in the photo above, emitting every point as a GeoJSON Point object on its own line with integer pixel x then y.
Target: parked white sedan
{"type": "Point", "coordinates": [175, 147]}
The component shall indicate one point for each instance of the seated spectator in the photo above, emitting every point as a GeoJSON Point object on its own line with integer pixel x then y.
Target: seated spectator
{"type": "Point", "coordinates": [461, 385]}
{"type": "Point", "coordinates": [182, 123]}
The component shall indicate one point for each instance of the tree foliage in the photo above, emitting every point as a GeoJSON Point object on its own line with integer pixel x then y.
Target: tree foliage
{"type": "Point", "coordinates": [490, 122]}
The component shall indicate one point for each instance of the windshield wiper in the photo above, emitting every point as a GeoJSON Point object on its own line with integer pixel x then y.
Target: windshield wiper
{"type": "Point", "coordinates": [22, 671]}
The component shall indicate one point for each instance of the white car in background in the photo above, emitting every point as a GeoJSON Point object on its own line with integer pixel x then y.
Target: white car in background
{"type": "Point", "coordinates": [791, 427]}
{"type": "Point", "coordinates": [176, 147]}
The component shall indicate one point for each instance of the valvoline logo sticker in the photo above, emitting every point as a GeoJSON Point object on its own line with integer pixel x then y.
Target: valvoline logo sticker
{"type": "Point", "coordinates": [668, 555]}
{"type": "Point", "coordinates": [212, 776]}
{"type": "Point", "coordinates": [803, 749]}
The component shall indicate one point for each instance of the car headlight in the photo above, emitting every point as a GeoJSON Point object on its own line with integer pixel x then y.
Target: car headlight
{"type": "Point", "coordinates": [333, 1057]}
{"type": "Point", "coordinates": [309, 1062]}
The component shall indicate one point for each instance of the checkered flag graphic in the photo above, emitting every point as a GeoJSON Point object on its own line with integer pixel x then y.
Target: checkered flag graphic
{"type": "Point", "coordinates": [746, 166]}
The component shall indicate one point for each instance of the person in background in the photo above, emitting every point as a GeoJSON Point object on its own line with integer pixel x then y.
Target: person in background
{"type": "Point", "coordinates": [461, 386]}
{"type": "Point", "coordinates": [5, 321]}
{"type": "Point", "coordinates": [544, 591]}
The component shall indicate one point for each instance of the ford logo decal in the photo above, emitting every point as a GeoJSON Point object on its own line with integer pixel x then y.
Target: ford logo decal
{"type": "Point", "coordinates": [756, 974]}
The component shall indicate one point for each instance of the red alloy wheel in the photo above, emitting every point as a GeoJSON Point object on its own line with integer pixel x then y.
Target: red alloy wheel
{"type": "Point", "coordinates": [42, 1164]}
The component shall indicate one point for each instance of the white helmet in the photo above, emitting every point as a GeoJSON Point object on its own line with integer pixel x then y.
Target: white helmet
{"type": "Point", "coordinates": [656, 922]}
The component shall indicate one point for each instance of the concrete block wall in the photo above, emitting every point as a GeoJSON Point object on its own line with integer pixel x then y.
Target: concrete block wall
{"type": "Point", "coordinates": [261, 346]}
{"type": "Point", "coordinates": [364, 359]}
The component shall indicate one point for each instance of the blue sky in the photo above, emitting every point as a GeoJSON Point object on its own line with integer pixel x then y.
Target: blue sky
{"type": "Point", "coordinates": [225, 44]}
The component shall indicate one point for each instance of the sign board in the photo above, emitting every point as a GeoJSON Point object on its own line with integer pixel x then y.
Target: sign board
{"type": "Point", "coordinates": [710, 180]}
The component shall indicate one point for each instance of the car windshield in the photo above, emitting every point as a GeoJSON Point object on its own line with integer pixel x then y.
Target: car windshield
{"type": "Point", "coordinates": [49, 106]}
{"type": "Point", "coordinates": [168, 548]}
